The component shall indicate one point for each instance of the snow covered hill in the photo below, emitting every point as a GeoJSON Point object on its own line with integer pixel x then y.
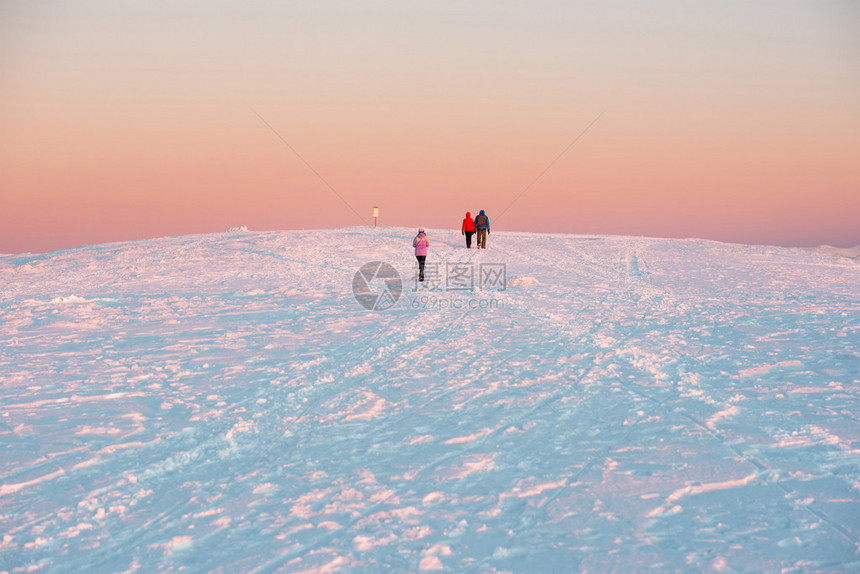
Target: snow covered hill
{"type": "Point", "coordinates": [849, 253]}
{"type": "Point", "coordinates": [229, 403]}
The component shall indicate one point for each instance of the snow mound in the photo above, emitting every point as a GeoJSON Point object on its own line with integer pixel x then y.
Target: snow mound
{"type": "Point", "coordinates": [620, 404]}
{"type": "Point", "coordinates": [852, 253]}
{"type": "Point", "coordinates": [68, 299]}
{"type": "Point", "coordinates": [239, 229]}
{"type": "Point", "coordinates": [523, 281]}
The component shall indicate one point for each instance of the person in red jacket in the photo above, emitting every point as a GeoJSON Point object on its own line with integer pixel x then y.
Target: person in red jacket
{"type": "Point", "coordinates": [468, 229]}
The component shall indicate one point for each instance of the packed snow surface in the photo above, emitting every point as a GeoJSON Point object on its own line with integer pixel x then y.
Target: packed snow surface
{"type": "Point", "coordinates": [550, 404]}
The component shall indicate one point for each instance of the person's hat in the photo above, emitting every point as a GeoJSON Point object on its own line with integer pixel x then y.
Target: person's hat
{"type": "Point", "coordinates": [420, 230]}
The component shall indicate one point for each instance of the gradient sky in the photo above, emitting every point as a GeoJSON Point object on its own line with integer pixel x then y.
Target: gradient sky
{"type": "Point", "coordinates": [730, 120]}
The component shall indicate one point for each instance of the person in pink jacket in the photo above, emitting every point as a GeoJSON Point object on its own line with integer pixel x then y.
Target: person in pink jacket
{"type": "Point", "coordinates": [421, 243]}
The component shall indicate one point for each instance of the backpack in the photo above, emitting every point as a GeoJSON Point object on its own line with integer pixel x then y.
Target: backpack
{"type": "Point", "coordinates": [481, 220]}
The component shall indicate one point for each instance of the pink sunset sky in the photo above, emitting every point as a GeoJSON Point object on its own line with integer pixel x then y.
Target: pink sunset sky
{"type": "Point", "coordinates": [734, 121]}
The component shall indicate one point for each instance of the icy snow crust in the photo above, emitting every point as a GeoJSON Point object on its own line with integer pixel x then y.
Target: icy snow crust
{"type": "Point", "coordinates": [222, 402]}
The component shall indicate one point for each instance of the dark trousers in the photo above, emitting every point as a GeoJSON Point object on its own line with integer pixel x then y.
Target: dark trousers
{"type": "Point", "coordinates": [468, 238]}
{"type": "Point", "coordinates": [421, 259]}
{"type": "Point", "coordinates": [482, 238]}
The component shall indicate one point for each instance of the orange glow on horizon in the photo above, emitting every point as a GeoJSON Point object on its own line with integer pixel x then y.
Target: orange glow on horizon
{"type": "Point", "coordinates": [125, 123]}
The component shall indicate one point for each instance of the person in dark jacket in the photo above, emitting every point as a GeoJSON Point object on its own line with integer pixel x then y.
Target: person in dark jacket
{"type": "Point", "coordinates": [468, 229]}
{"type": "Point", "coordinates": [482, 226]}
{"type": "Point", "coordinates": [421, 243]}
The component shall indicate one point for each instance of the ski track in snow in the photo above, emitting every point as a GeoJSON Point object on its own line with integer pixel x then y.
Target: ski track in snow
{"type": "Point", "coordinates": [222, 403]}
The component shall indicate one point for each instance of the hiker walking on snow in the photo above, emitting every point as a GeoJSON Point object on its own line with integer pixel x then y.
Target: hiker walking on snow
{"type": "Point", "coordinates": [468, 229]}
{"type": "Point", "coordinates": [482, 225]}
{"type": "Point", "coordinates": [421, 243]}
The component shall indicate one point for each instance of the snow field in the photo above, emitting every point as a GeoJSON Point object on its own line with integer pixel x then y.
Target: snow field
{"type": "Point", "coordinates": [223, 403]}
